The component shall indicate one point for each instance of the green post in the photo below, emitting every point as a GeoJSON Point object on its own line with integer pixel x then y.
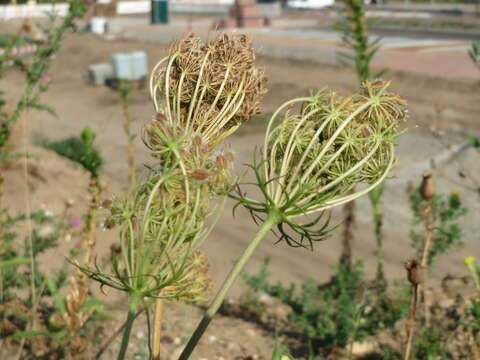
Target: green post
{"type": "Point", "coordinates": [159, 12]}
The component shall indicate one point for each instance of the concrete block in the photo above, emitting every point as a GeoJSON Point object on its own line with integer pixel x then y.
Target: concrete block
{"type": "Point", "coordinates": [99, 73]}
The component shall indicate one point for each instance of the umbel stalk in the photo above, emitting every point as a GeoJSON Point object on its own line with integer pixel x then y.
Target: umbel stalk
{"type": "Point", "coordinates": [272, 220]}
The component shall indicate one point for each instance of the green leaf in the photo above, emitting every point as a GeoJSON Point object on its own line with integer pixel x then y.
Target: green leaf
{"type": "Point", "coordinates": [59, 300]}
{"type": "Point", "coordinates": [13, 262]}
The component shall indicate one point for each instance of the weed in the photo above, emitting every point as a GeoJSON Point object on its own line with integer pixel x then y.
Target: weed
{"type": "Point", "coordinates": [445, 212]}
{"type": "Point", "coordinates": [53, 337]}
{"type": "Point", "coordinates": [474, 53]}
{"type": "Point", "coordinates": [79, 149]}
{"type": "Point", "coordinates": [335, 315]}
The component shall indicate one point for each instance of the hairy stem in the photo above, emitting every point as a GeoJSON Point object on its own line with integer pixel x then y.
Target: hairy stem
{"type": "Point", "coordinates": [269, 223]}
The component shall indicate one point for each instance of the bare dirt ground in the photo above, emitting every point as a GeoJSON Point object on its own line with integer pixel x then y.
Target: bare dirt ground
{"type": "Point", "coordinates": [434, 102]}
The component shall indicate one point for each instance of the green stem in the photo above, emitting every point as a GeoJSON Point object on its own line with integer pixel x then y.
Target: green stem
{"type": "Point", "coordinates": [375, 199]}
{"type": "Point", "coordinates": [134, 301]}
{"type": "Point", "coordinates": [270, 222]}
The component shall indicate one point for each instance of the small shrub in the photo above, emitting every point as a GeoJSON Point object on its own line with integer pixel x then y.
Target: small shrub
{"type": "Point", "coordinates": [80, 150]}
{"type": "Point", "coordinates": [335, 315]}
{"type": "Point", "coordinates": [445, 213]}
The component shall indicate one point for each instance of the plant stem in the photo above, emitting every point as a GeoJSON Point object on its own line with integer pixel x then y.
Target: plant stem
{"type": "Point", "coordinates": [112, 337]}
{"type": "Point", "coordinates": [157, 329]}
{"type": "Point", "coordinates": [271, 220]}
{"type": "Point", "coordinates": [426, 256]}
{"type": "Point", "coordinates": [127, 123]}
{"type": "Point", "coordinates": [411, 321]}
{"type": "Point", "coordinates": [375, 199]}
{"type": "Point", "coordinates": [348, 237]}
{"type": "Point", "coordinates": [134, 301]}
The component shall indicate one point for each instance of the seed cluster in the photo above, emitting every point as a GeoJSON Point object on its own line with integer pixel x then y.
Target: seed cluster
{"type": "Point", "coordinates": [334, 142]}
{"type": "Point", "coordinates": [209, 89]}
{"type": "Point", "coordinates": [201, 93]}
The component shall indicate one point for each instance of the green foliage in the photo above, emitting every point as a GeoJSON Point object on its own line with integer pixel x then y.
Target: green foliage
{"type": "Point", "coordinates": [429, 346]}
{"type": "Point", "coordinates": [44, 236]}
{"type": "Point", "coordinates": [279, 351]}
{"type": "Point", "coordinates": [80, 150]}
{"type": "Point", "coordinates": [16, 307]}
{"type": "Point", "coordinates": [474, 141]}
{"type": "Point", "coordinates": [474, 322]}
{"type": "Point", "coordinates": [38, 67]}
{"type": "Point", "coordinates": [355, 37]}
{"type": "Point", "coordinates": [336, 314]}
{"type": "Point", "coordinates": [7, 40]}
{"type": "Point", "coordinates": [445, 212]}
{"type": "Point", "coordinates": [474, 53]}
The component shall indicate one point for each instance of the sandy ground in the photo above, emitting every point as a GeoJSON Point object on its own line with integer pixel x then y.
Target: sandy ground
{"type": "Point", "coordinates": [434, 102]}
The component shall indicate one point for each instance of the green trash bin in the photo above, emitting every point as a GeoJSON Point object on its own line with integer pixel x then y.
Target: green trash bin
{"type": "Point", "coordinates": [159, 12]}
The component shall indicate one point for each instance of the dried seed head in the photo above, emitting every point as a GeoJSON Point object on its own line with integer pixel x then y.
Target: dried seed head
{"type": "Point", "coordinates": [106, 204]}
{"type": "Point", "coordinates": [160, 117]}
{"type": "Point", "coordinates": [197, 141]}
{"type": "Point", "coordinates": [211, 88]}
{"type": "Point", "coordinates": [221, 162]}
{"type": "Point", "coordinates": [427, 188]}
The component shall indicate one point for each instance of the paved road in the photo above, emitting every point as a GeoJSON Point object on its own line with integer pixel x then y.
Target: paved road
{"type": "Point", "coordinates": [299, 40]}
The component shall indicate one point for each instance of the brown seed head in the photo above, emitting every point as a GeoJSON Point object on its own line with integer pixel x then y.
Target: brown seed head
{"type": "Point", "coordinates": [415, 272]}
{"type": "Point", "coordinates": [160, 117]}
{"type": "Point", "coordinates": [427, 189]}
{"type": "Point", "coordinates": [106, 204]}
{"type": "Point", "coordinates": [221, 162]}
{"type": "Point", "coordinates": [197, 141]}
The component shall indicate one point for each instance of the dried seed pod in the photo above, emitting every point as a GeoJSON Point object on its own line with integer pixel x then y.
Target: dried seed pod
{"type": "Point", "coordinates": [199, 174]}
{"type": "Point", "coordinates": [427, 188]}
{"type": "Point", "coordinates": [415, 272]}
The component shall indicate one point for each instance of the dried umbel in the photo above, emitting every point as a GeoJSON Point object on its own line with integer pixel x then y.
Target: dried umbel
{"type": "Point", "coordinates": [313, 156]}
{"type": "Point", "coordinates": [208, 89]}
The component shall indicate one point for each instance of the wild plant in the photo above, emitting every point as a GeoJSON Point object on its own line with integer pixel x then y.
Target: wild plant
{"type": "Point", "coordinates": [72, 320]}
{"type": "Point", "coordinates": [36, 70]}
{"type": "Point", "coordinates": [57, 334]}
{"type": "Point", "coordinates": [125, 91]}
{"type": "Point", "coordinates": [201, 94]}
{"type": "Point", "coordinates": [362, 50]}
{"type": "Point", "coordinates": [436, 230]}
{"type": "Point", "coordinates": [331, 316]}
{"type": "Point", "coordinates": [473, 322]}
{"type": "Point", "coordinates": [438, 217]}
{"type": "Point", "coordinates": [474, 53]}
{"type": "Point", "coordinates": [312, 158]}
